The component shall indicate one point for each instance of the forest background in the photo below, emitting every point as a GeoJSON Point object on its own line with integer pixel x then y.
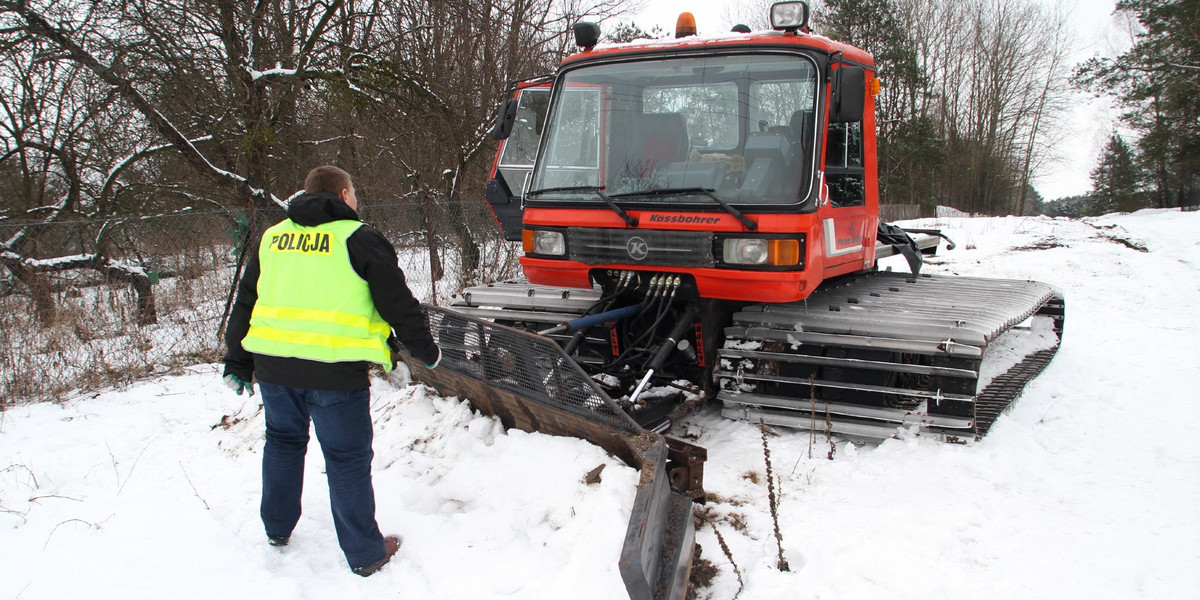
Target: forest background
{"type": "Point", "coordinates": [144, 143]}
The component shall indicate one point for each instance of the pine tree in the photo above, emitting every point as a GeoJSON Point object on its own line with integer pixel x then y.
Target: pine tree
{"type": "Point", "coordinates": [1158, 83]}
{"type": "Point", "coordinates": [910, 154]}
{"type": "Point", "coordinates": [1116, 181]}
{"type": "Point", "coordinates": [627, 32]}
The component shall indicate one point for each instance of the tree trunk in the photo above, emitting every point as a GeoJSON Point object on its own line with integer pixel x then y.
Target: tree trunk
{"type": "Point", "coordinates": [45, 309]}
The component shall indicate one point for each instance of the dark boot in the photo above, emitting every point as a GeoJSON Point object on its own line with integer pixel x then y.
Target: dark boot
{"type": "Point", "coordinates": [391, 545]}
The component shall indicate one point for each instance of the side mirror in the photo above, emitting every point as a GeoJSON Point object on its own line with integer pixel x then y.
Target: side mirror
{"type": "Point", "coordinates": [849, 94]}
{"type": "Point", "coordinates": [505, 119]}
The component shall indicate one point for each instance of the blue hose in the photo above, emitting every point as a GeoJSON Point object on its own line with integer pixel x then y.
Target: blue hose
{"type": "Point", "coordinates": [604, 317]}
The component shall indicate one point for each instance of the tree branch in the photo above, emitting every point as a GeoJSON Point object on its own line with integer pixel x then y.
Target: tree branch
{"type": "Point", "coordinates": [40, 27]}
{"type": "Point", "coordinates": [111, 179]}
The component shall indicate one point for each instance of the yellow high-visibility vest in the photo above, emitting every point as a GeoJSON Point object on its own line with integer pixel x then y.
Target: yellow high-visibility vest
{"type": "Point", "coordinates": [311, 303]}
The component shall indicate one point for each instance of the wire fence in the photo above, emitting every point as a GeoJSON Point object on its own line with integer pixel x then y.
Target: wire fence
{"type": "Point", "coordinates": [900, 212]}
{"type": "Point", "coordinates": [90, 304]}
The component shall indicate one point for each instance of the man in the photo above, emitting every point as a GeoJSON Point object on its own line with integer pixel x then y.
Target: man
{"type": "Point", "coordinates": [314, 308]}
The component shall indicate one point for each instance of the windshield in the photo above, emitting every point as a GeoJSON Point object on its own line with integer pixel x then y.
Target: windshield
{"type": "Point", "coordinates": [740, 126]}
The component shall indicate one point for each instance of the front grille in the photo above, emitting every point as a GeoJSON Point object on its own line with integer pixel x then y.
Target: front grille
{"type": "Point", "coordinates": [641, 246]}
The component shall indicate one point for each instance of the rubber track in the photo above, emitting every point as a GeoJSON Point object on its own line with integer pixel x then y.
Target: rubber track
{"type": "Point", "coordinates": [998, 396]}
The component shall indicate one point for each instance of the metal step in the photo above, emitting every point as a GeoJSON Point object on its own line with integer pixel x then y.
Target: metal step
{"type": "Point", "coordinates": [854, 341]}
{"type": "Point", "coordinates": [522, 295]}
{"type": "Point", "coordinates": [865, 431]}
{"type": "Point", "coordinates": [851, 385]}
{"type": "Point", "coordinates": [849, 363]}
{"type": "Point", "coordinates": [502, 314]}
{"type": "Point", "coordinates": [819, 409]}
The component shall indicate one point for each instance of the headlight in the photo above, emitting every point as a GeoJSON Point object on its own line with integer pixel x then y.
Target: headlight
{"type": "Point", "coordinates": [550, 243]}
{"type": "Point", "coordinates": [746, 252]}
{"type": "Point", "coordinates": [759, 251]}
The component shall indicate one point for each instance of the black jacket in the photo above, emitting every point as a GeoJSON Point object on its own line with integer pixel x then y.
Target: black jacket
{"type": "Point", "coordinates": [374, 259]}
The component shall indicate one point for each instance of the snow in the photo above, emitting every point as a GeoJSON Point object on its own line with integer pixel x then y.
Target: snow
{"type": "Point", "coordinates": [52, 263]}
{"type": "Point", "coordinates": [278, 71]}
{"type": "Point", "coordinates": [131, 494]}
{"type": "Point", "coordinates": [1012, 346]}
{"type": "Point", "coordinates": [1087, 488]}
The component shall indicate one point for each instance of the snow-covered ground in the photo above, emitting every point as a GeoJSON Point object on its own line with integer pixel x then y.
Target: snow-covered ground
{"type": "Point", "coordinates": [1088, 488]}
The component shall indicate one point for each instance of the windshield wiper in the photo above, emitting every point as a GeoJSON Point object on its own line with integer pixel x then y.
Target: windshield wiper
{"type": "Point", "coordinates": [629, 220]}
{"type": "Point", "coordinates": [751, 225]}
{"type": "Point", "coordinates": [569, 188]}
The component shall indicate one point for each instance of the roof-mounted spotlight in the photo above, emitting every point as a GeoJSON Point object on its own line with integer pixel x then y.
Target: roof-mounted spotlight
{"type": "Point", "coordinates": [587, 35]}
{"type": "Point", "coordinates": [789, 16]}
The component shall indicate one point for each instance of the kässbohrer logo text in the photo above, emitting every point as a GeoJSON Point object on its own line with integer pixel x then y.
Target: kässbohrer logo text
{"type": "Point", "coordinates": [684, 219]}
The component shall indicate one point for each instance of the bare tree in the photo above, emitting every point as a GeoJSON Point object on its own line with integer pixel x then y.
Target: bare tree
{"type": "Point", "coordinates": [461, 55]}
{"type": "Point", "coordinates": [996, 93]}
{"type": "Point", "coordinates": [204, 99]}
{"type": "Point", "coordinates": [211, 67]}
{"type": "Point", "coordinates": [57, 125]}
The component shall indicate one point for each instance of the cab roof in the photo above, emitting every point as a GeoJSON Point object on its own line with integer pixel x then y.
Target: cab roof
{"type": "Point", "coordinates": [753, 40]}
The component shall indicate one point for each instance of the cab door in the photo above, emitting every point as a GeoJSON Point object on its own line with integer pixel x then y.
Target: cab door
{"type": "Point", "coordinates": [514, 158]}
{"type": "Point", "coordinates": [849, 202]}
{"type": "Point", "coordinates": [843, 209]}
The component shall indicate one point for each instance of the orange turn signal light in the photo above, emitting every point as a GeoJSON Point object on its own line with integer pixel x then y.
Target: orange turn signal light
{"type": "Point", "coordinates": [783, 253]}
{"type": "Point", "coordinates": [875, 85]}
{"type": "Point", "coordinates": [527, 240]}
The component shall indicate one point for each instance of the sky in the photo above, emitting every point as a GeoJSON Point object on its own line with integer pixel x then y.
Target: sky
{"type": "Point", "coordinates": [1088, 127]}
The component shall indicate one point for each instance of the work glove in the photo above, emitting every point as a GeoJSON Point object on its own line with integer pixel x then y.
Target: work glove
{"type": "Point", "coordinates": [436, 361]}
{"type": "Point", "coordinates": [237, 384]}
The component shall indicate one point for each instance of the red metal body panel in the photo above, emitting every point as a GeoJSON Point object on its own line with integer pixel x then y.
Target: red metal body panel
{"type": "Point", "coordinates": [838, 240]}
{"type": "Point", "coordinates": [765, 39]}
{"type": "Point", "coordinates": [723, 283]}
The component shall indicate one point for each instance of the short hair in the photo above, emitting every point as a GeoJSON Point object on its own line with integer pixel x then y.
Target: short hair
{"type": "Point", "coordinates": [327, 178]}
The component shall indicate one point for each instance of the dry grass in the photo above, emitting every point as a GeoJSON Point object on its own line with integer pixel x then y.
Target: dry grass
{"type": "Point", "coordinates": [772, 497]}
{"type": "Point", "coordinates": [706, 515]}
{"type": "Point", "coordinates": [701, 578]}
{"type": "Point", "coordinates": [95, 341]}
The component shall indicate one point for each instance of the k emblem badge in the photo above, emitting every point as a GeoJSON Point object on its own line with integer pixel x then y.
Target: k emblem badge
{"type": "Point", "coordinates": [637, 248]}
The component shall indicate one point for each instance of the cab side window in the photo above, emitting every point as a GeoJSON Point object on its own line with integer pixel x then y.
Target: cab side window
{"type": "Point", "coordinates": [844, 172]}
{"type": "Point", "coordinates": [516, 160]}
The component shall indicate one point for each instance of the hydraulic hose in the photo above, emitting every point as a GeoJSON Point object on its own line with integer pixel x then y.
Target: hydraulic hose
{"type": "Point", "coordinates": [664, 351]}
{"type": "Point", "coordinates": [590, 320]}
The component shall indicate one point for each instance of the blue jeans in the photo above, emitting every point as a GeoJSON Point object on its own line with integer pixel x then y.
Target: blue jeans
{"type": "Point", "coordinates": [342, 420]}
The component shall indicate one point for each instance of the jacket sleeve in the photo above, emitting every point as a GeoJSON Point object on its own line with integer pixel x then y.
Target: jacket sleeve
{"type": "Point", "coordinates": [238, 360]}
{"type": "Point", "coordinates": [374, 259]}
